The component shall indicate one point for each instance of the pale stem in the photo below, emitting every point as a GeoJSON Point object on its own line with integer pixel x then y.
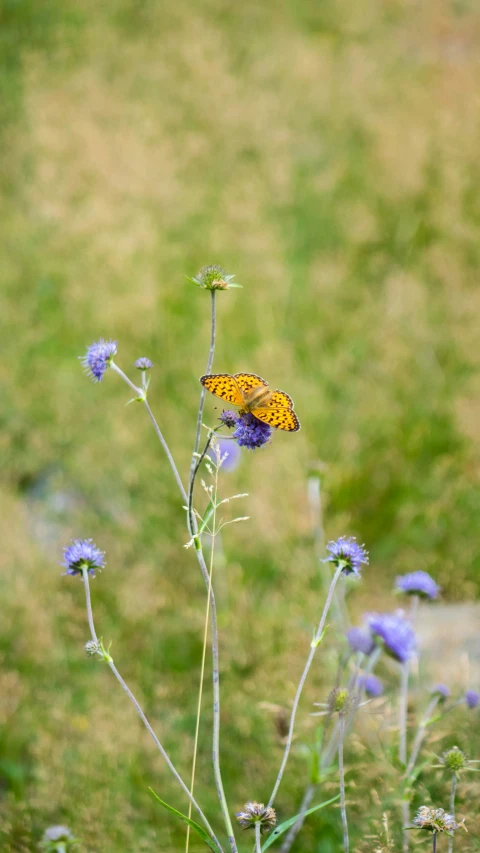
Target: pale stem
{"type": "Point", "coordinates": [434, 842]}
{"type": "Point", "coordinates": [420, 736]}
{"type": "Point", "coordinates": [332, 746]}
{"type": "Point", "coordinates": [452, 808]}
{"type": "Point", "coordinates": [402, 714]}
{"type": "Point", "coordinates": [258, 843]}
{"type": "Point", "coordinates": [341, 771]}
{"type": "Point", "coordinates": [314, 493]}
{"type": "Point", "coordinates": [142, 715]}
{"type": "Point", "coordinates": [295, 829]}
{"type": "Point", "coordinates": [313, 648]}
{"type": "Point", "coordinates": [204, 653]}
{"type": "Point", "coordinates": [213, 612]}
{"type": "Point", "coordinates": [413, 607]}
{"type": "Point", "coordinates": [405, 823]}
{"type": "Point", "coordinates": [203, 391]}
{"type": "Point", "coordinates": [141, 395]}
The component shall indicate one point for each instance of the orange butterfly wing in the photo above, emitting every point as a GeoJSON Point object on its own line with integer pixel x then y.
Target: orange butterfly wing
{"type": "Point", "coordinates": [247, 381]}
{"type": "Point", "coordinates": [279, 399]}
{"type": "Point", "coordinates": [278, 418]}
{"type": "Point", "coordinates": [224, 386]}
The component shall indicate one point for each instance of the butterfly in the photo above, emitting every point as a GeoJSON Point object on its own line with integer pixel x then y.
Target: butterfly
{"type": "Point", "coordinates": [253, 395]}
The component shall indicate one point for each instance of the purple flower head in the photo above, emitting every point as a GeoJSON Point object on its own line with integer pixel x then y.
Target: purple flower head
{"type": "Point", "coordinates": [228, 419]}
{"type": "Point", "coordinates": [251, 433]}
{"type": "Point", "coordinates": [143, 363]}
{"type": "Point", "coordinates": [442, 691]}
{"type": "Point", "coordinates": [418, 583]}
{"type": "Point", "coordinates": [361, 640]}
{"type": "Point", "coordinates": [98, 357]}
{"type": "Point", "coordinates": [371, 684]}
{"type": "Point", "coordinates": [82, 554]}
{"type": "Point", "coordinates": [396, 632]}
{"type": "Point", "coordinates": [472, 698]}
{"type": "Point", "coordinates": [230, 450]}
{"type": "Point", "coordinates": [346, 550]}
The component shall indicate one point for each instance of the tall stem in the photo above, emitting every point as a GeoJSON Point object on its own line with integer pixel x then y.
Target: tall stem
{"type": "Point", "coordinates": [341, 771]}
{"type": "Point", "coordinates": [203, 391]}
{"type": "Point", "coordinates": [434, 842]}
{"type": "Point", "coordinates": [405, 822]}
{"type": "Point", "coordinates": [204, 652]}
{"type": "Point", "coordinates": [295, 829]}
{"type": "Point", "coordinates": [402, 714]}
{"type": "Point", "coordinates": [313, 648]}
{"type": "Point", "coordinates": [213, 610]}
{"type": "Point", "coordinates": [141, 395]}
{"type": "Point", "coordinates": [420, 736]}
{"type": "Point", "coordinates": [452, 808]}
{"type": "Point", "coordinates": [141, 713]}
{"type": "Point", "coordinates": [258, 843]}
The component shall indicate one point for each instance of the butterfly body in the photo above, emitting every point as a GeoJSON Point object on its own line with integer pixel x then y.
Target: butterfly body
{"type": "Point", "coordinates": [253, 395]}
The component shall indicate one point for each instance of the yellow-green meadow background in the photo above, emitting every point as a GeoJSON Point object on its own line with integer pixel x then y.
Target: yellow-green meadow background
{"type": "Point", "coordinates": [327, 153]}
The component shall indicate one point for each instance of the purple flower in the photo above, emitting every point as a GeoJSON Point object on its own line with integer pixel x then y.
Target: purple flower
{"type": "Point", "coordinates": [361, 640]}
{"type": "Point", "coordinates": [82, 554]}
{"type": "Point", "coordinates": [442, 691]}
{"type": "Point", "coordinates": [143, 363]}
{"type": "Point", "coordinates": [98, 357]}
{"type": "Point", "coordinates": [371, 684]}
{"type": "Point", "coordinates": [472, 698]}
{"type": "Point", "coordinates": [251, 433]}
{"type": "Point", "coordinates": [227, 448]}
{"type": "Point", "coordinates": [228, 419]}
{"type": "Point", "coordinates": [348, 552]}
{"type": "Point", "coordinates": [396, 632]}
{"type": "Point", "coordinates": [418, 583]}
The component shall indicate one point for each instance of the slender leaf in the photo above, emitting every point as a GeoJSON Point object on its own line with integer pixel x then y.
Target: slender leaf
{"type": "Point", "coordinates": [282, 827]}
{"type": "Point", "coordinates": [198, 829]}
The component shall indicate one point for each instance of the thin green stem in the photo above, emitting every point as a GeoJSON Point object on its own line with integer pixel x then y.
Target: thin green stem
{"type": "Point", "coordinates": [341, 771]}
{"type": "Point", "coordinates": [142, 715]}
{"type": "Point", "coordinates": [204, 652]}
{"type": "Point", "coordinates": [203, 391]}
{"type": "Point", "coordinates": [141, 395]}
{"type": "Point", "coordinates": [452, 808]}
{"type": "Point", "coordinates": [420, 736]}
{"type": "Point", "coordinates": [313, 648]}
{"type": "Point", "coordinates": [295, 829]}
{"type": "Point", "coordinates": [402, 714]}
{"type": "Point", "coordinates": [434, 842]}
{"type": "Point", "coordinates": [258, 843]}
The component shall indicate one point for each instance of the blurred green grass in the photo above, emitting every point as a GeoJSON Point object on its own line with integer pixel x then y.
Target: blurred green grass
{"type": "Point", "coordinates": [328, 155]}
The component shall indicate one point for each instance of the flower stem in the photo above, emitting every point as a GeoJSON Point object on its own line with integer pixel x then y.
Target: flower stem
{"type": "Point", "coordinates": [203, 391]}
{"type": "Point", "coordinates": [204, 652]}
{"type": "Point", "coordinates": [142, 715]}
{"type": "Point", "coordinates": [420, 736]}
{"type": "Point", "coordinates": [402, 714]}
{"type": "Point", "coordinates": [341, 771]}
{"type": "Point", "coordinates": [452, 808]}
{"type": "Point", "coordinates": [141, 394]}
{"type": "Point", "coordinates": [295, 829]}
{"type": "Point", "coordinates": [406, 821]}
{"type": "Point", "coordinates": [313, 648]}
{"type": "Point", "coordinates": [434, 842]}
{"type": "Point", "coordinates": [258, 843]}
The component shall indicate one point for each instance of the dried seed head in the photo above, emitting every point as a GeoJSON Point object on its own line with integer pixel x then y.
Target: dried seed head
{"type": "Point", "coordinates": [257, 813]}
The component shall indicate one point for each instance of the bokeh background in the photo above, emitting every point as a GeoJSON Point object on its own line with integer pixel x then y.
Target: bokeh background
{"type": "Point", "coordinates": [327, 154]}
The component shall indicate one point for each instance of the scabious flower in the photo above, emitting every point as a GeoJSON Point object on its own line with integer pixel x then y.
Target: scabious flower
{"type": "Point", "coordinates": [442, 691]}
{"type": "Point", "coordinates": [56, 839]}
{"type": "Point", "coordinates": [361, 640]}
{"type": "Point", "coordinates": [143, 363]}
{"type": "Point", "coordinates": [396, 632]}
{"type": "Point", "coordinates": [435, 820]}
{"type": "Point", "coordinates": [418, 583]}
{"type": "Point", "coordinates": [346, 552]}
{"type": "Point", "coordinates": [257, 813]}
{"type": "Point", "coordinates": [214, 277]}
{"type": "Point", "coordinates": [472, 698]}
{"type": "Point", "coordinates": [92, 648]}
{"type": "Point", "coordinates": [229, 452]}
{"type": "Point", "coordinates": [82, 554]}
{"type": "Point", "coordinates": [98, 358]}
{"type": "Point", "coordinates": [228, 419]}
{"type": "Point", "coordinates": [371, 684]}
{"type": "Point", "coordinates": [250, 432]}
